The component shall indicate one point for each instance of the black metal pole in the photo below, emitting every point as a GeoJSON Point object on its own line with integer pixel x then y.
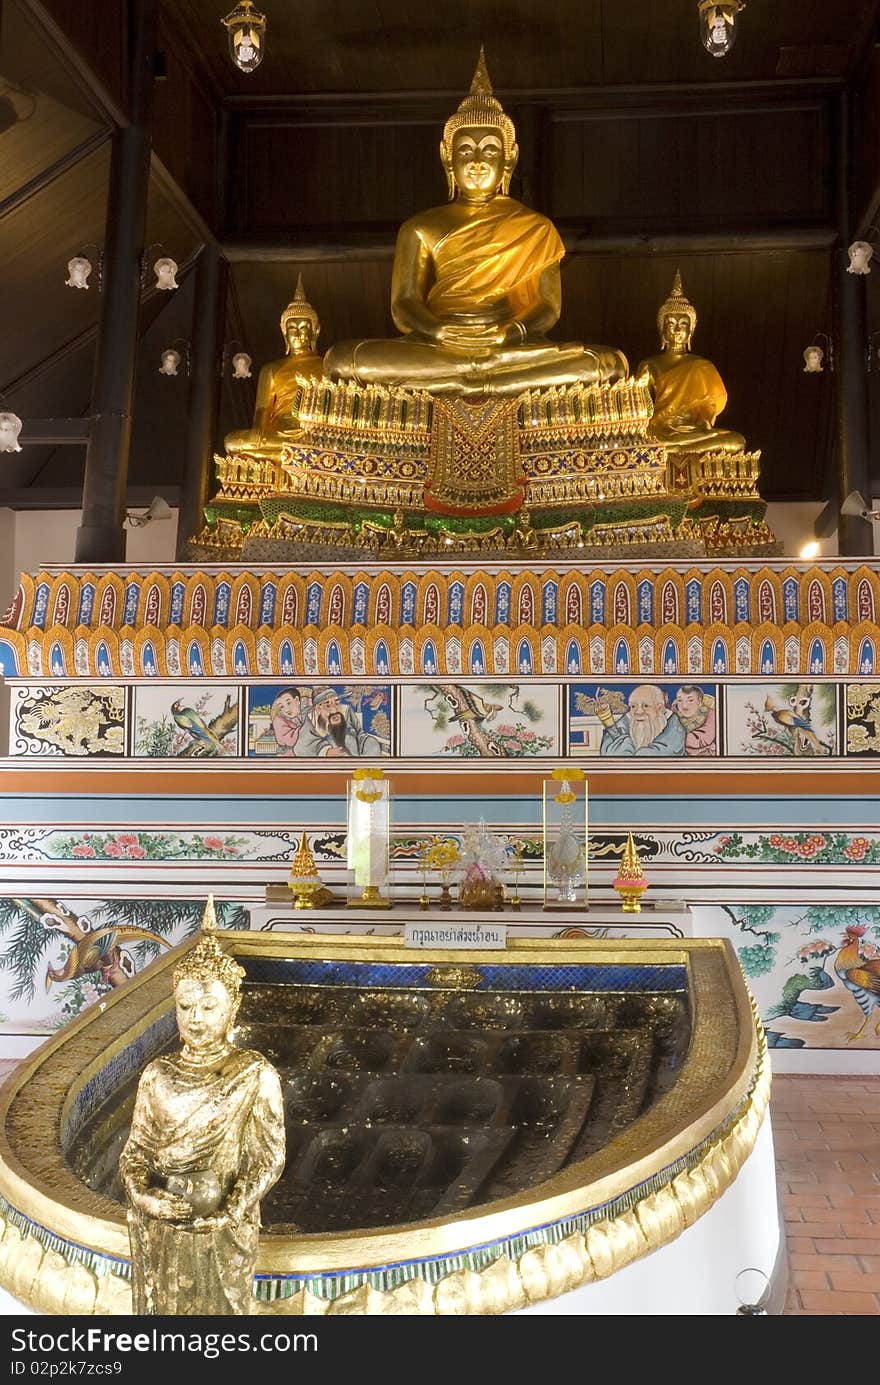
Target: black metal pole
{"type": "Point", "coordinates": [101, 535]}
{"type": "Point", "coordinates": [209, 314]}
{"type": "Point", "coordinates": [854, 535]}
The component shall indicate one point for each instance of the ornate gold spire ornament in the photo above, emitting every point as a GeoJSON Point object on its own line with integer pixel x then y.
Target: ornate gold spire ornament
{"type": "Point", "coordinates": [630, 883]}
{"type": "Point", "coordinates": [306, 886]}
{"type": "Point", "coordinates": [208, 961]}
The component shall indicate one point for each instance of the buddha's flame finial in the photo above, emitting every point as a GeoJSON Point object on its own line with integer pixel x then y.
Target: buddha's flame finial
{"type": "Point", "coordinates": [481, 82]}
{"type": "Point", "coordinates": [303, 865]}
{"type": "Point", "coordinates": [298, 308]}
{"type": "Point", "coordinates": [300, 295]}
{"type": "Point", "coordinates": [677, 305]}
{"type": "Point", "coordinates": [209, 917]}
{"type": "Point", "coordinates": [630, 865]}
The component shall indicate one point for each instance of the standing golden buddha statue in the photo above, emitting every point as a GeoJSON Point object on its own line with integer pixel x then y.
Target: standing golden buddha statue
{"type": "Point", "coordinates": [278, 385]}
{"type": "Point", "coordinates": [476, 284]}
{"type": "Point", "coordinates": [206, 1143]}
{"type": "Point", "coordinates": [688, 391]}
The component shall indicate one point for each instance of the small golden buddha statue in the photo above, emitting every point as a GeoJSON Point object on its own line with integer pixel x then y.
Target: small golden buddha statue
{"type": "Point", "coordinates": [688, 391]}
{"type": "Point", "coordinates": [206, 1143]}
{"type": "Point", "coordinates": [476, 284]}
{"type": "Point", "coordinates": [277, 388]}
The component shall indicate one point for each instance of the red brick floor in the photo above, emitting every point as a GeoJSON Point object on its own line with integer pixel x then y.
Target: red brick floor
{"type": "Point", "coordinates": [826, 1131]}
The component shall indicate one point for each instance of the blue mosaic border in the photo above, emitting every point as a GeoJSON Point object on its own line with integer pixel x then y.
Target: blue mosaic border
{"type": "Point", "coordinates": [493, 976]}
{"type": "Point", "coordinates": [121, 1067]}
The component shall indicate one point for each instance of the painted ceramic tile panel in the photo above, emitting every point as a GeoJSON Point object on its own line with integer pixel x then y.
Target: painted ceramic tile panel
{"type": "Point", "coordinates": [814, 970]}
{"type": "Point", "coordinates": [772, 719]}
{"type": "Point", "coordinates": [464, 720]}
{"type": "Point", "coordinates": [862, 719]}
{"type": "Point", "coordinates": [643, 719]}
{"type": "Point", "coordinates": [185, 721]}
{"type": "Point", "coordinates": [58, 957]}
{"type": "Point", "coordinates": [319, 721]}
{"type": "Point", "coordinates": [68, 721]}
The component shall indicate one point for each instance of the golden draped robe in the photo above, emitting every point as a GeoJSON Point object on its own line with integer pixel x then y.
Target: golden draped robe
{"type": "Point", "coordinates": [227, 1119]}
{"type": "Point", "coordinates": [500, 255]}
{"type": "Point", "coordinates": [688, 392]}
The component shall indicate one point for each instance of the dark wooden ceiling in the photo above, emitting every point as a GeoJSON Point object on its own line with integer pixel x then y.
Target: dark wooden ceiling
{"type": "Point", "coordinates": [394, 45]}
{"type": "Point", "coordinates": [634, 139]}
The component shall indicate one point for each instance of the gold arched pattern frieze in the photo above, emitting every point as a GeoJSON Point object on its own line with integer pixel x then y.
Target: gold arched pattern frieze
{"type": "Point", "coordinates": [430, 598]}
{"type": "Point", "coordinates": [338, 636]}
{"type": "Point", "coordinates": [863, 590]}
{"type": "Point", "coordinates": [525, 635]}
{"type": "Point", "coordinates": [18, 645]}
{"type": "Point", "coordinates": [240, 635]}
{"type": "Point", "coordinates": [765, 591]}
{"type": "Point", "coordinates": [244, 604]}
{"type": "Point", "coordinates": [718, 605]}
{"type": "Point", "coordinates": [63, 599]}
{"type": "Point", "coordinates": [669, 603]}
{"type": "Point", "coordinates": [711, 635]}
{"type": "Point", "coordinates": [433, 636]}
{"type": "Point", "coordinates": [864, 630]}
{"type": "Point", "coordinates": [574, 598]}
{"type": "Point", "coordinates": [614, 636]}
{"type": "Point", "coordinates": [154, 637]}
{"type": "Point", "coordinates": [109, 600]}
{"type": "Point", "coordinates": [290, 606]}
{"type": "Point", "coordinates": [287, 638]}
{"type": "Point", "coordinates": [478, 599]}
{"type": "Point", "coordinates": [759, 636]}
{"type": "Point", "coordinates": [337, 606]}
{"type": "Point", "coordinates": [28, 588]}
{"type": "Point", "coordinates": [198, 636]}
{"type": "Point", "coordinates": [525, 596]}
{"type": "Point", "coordinates": [384, 605]}
{"type": "Point", "coordinates": [661, 639]}
{"type": "Point", "coordinates": [62, 636]}
{"type": "Point", "coordinates": [566, 637]}
{"type": "Point", "coordinates": [105, 637]}
{"type": "Point", "coordinates": [816, 603]}
{"type": "Point", "coordinates": [621, 599]}
{"type": "Point", "coordinates": [198, 601]}
{"type": "Point", "coordinates": [385, 636]}
{"type": "Point", "coordinates": [811, 632]}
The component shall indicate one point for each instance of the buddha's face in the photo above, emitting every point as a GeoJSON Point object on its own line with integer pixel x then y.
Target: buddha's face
{"type": "Point", "coordinates": [676, 332]}
{"type": "Point", "coordinates": [205, 1011]}
{"type": "Point", "coordinates": [478, 162]}
{"type": "Point", "coordinates": [299, 336]}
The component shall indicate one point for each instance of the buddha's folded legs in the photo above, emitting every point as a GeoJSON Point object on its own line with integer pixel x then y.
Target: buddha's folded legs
{"type": "Point", "coordinates": [507, 370]}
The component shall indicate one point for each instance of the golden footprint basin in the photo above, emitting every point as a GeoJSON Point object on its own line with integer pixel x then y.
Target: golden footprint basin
{"type": "Point", "coordinates": [467, 1132]}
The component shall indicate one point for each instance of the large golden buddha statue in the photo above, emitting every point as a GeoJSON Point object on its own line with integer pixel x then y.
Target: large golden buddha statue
{"type": "Point", "coordinates": [688, 391]}
{"type": "Point", "coordinates": [277, 387]}
{"type": "Point", "coordinates": [476, 283]}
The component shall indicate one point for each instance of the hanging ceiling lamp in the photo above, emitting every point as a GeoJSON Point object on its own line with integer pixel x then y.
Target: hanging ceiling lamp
{"type": "Point", "coordinates": [246, 28]}
{"type": "Point", "coordinates": [718, 25]}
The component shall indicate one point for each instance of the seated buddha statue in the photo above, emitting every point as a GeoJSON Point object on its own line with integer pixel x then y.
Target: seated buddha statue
{"type": "Point", "coordinates": [687, 390]}
{"type": "Point", "coordinates": [475, 284]}
{"type": "Point", "coordinates": [275, 412]}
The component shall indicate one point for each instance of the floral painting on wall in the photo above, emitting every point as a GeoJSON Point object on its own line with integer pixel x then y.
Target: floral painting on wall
{"type": "Point", "coordinates": [814, 969]}
{"type": "Point", "coordinates": [472, 721]}
{"type": "Point", "coordinates": [319, 721]}
{"type": "Point", "coordinates": [773, 719]}
{"type": "Point", "coordinates": [57, 957]}
{"type": "Point", "coordinates": [643, 719]}
{"type": "Point", "coordinates": [186, 721]}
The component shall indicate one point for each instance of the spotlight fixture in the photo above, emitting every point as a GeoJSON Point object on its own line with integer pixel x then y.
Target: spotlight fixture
{"type": "Point", "coordinates": [246, 28]}
{"type": "Point", "coordinates": [10, 427]}
{"type": "Point", "coordinates": [241, 366]}
{"type": "Point", "coordinates": [855, 504]}
{"type": "Point", "coordinates": [718, 25]}
{"type": "Point", "coordinates": [158, 509]}
{"type": "Point", "coordinates": [814, 355]}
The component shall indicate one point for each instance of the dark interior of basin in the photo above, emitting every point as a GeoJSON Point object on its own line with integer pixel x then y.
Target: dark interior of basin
{"type": "Point", "coordinates": [404, 1103]}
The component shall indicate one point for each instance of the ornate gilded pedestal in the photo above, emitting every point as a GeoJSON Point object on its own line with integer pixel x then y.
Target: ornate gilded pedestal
{"type": "Point", "coordinates": [398, 472]}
